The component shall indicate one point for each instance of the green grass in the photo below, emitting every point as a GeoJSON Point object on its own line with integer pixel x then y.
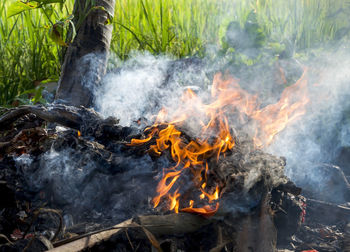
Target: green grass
{"type": "Point", "coordinates": [27, 54]}
{"type": "Point", "coordinates": [186, 27]}
{"type": "Point", "coordinates": [176, 27]}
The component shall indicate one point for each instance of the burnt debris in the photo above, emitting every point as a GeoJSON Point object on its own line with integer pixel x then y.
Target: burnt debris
{"type": "Point", "coordinates": [77, 186]}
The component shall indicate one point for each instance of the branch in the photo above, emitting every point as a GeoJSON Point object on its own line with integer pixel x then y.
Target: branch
{"type": "Point", "coordinates": [87, 121]}
{"type": "Point", "coordinates": [63, 115]}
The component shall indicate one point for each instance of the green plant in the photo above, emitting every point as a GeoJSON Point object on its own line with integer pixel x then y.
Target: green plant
{"type": "Point", "coordinates": [28, 54]}
{"type": "Point", "coordinates": [31, 40]}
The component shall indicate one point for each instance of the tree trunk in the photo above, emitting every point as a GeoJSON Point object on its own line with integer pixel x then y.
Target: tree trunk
{"type": "Point", "coordinates": [86, 58]}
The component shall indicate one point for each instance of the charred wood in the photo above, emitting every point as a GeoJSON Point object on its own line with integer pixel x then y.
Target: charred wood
{"type": "Point", "coordinates": [87, 121]}
{"type": "Point", "coordinates": [256, 198]}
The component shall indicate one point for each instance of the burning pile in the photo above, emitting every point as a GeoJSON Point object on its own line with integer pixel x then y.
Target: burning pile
{"type": "Point", "coordinates": [209, 160]}
{"type": "Point", "coordinates": [217, 116]}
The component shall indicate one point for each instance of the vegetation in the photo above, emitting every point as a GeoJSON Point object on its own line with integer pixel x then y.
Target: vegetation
{"type": "Point", "coordinates": [31, 57]}
{"type": "Point", "coordinates": [28, 54]}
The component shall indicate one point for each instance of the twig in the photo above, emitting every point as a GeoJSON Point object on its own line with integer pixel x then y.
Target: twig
{"type": "Point", "coordinates": [123, 226]}
{"type": "Point", "coordinates": [127, 236]}
{"type": "Point", "coordinates": [7, 239]}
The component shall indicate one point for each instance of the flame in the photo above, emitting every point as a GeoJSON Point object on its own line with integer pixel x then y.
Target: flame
{"type": "Point", "coordinates": [275, 117]}
{"type": "Point", "coordinates": [206, 211]}
{"type": "Point", "coordinates": [174, 201]}
{"type": "Point", "coordinates": [211, 197]}
{"type": "Point", "coordinates": [215, 137]}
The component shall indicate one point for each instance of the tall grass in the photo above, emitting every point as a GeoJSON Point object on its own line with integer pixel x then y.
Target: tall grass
{"type": "Point", "coordinates": [180, 28]}
{"type": "Point", "coordinates": [177, 27]}
{"type": "Point", "coordinates": [186, 27]}
{"type": "Point", "coordinates": [307, 23]}
{"type": "Point", "coordinates": [27, 54]}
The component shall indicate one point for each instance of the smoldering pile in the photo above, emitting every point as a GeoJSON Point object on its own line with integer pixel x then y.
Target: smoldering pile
{"type": "Point", "coordinates": [94, 177]}
{"type": "Point", "coordinates": [87, 171]}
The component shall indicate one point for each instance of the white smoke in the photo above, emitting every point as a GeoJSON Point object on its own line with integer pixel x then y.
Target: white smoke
{"type": "Point", "coordinates": [144, 84]}
{"type": "Point", "coordinates": [307, 138]}
{"type": "Point", "coordinates": [319, 135]}
{"type": "Point", "coordinates": [137, 90]}
{"type": "Point", "coordinates": [126, 94]}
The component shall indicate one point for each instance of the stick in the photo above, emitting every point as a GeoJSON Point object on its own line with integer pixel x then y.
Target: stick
{"type": "Point", "coordinates": [181, 223]}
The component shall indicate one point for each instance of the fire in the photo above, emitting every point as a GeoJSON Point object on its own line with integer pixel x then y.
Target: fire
{"type": "Point", "coordinates": [174, 205]}
{"type": "Point", "coordinates": [211, 197]}
{"type": "Point", "coordinates": [275, 117]}
{"type": "Point", "coordinates": [206, 211]}
{"type": "Point", "coordinates": [215, 138]}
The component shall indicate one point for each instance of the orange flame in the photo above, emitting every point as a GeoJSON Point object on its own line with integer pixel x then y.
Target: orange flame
{"type": "Point", "coordinates": [174, 201]}
{"type": "Point", "coordinates": [213, 196]}
{"type": "Point", "coordinates": [215, 137]}
{"type": "Point", "coordinates": [275, 117]}
{"type": "Point", "coordinates": [206, 211]}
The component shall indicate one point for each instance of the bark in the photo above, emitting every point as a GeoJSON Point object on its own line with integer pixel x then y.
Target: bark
{"type": "Point", "coordinates": [86, 58]}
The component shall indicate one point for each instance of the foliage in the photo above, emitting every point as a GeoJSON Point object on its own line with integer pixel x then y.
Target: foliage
{"type": "Point", "coordinates": [32, 33]}
{"type": "Point", "coordinates": [28, 54]}
{"type": "Point", "coordinates": [187, 27]}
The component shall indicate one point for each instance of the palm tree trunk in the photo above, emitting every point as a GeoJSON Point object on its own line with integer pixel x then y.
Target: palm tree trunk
{"type": "Point", "coordinates": [86, 58]}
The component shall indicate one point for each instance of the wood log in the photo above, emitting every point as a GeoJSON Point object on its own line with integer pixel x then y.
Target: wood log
{"type": "Point", "coordinates": [172, 224]}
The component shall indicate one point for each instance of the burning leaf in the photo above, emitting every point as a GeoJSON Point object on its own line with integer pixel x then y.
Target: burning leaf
{"type": "Point", "coordinates": [206, 211]}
